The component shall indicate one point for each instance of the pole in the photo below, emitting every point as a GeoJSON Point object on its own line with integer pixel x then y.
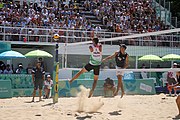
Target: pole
{"type": "Point", "coordinates": [65, 55]}
{"type": "Point", "coordinates": [165, 10]}
{"type": "Point", "coordinates": [56, 74]}
{"type": "Point", "coordinates": [136, 62]}
{"type": "Point", "coordinates": [160, 8]}
{"type": "Point", "coordinates": [57, 46]}
{"type": "Point", "coordinates": [55, 98]}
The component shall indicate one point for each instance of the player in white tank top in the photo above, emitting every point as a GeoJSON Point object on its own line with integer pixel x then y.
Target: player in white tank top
{"type": "Point", "coordinates": [94, 63]}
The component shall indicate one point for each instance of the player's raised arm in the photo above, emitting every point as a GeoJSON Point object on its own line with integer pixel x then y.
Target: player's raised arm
{"type": "Point", "coordinates": [100, 47]}
{"type": "Point", "coordinates": [110, 57]}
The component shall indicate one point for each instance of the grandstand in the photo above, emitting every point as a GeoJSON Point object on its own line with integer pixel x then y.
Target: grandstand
{"type": "Point", "coordinates": [32, 24]}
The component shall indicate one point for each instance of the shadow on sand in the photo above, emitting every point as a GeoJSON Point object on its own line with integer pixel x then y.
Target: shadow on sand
{"type": "Point", "coordinates": [176, 117]}
{"type": "Point", "coordinates": [49, 104]}
{"type": "Point", "coordinates": [84, 117]}
{"type": "Point", "coordinates": [28, 102]}
{"type": "Point", "coordinates": [88, 115]}
{"type": "Point", "coordinates": [115, 112]}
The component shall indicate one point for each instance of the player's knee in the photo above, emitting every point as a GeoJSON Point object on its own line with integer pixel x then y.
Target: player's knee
{"type": "Point", "coordinates": [95, 77]}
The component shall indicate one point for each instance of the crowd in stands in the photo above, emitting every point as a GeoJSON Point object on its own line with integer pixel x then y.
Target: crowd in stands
{"type": "Point", "coordinates": [117, 15]}
{"type": "Point", "coordinates": [126, 16]}
{"type": "Point", "coordinates": [45, 14]}
{"type": "Point", "coordinates": [42, 15]}
{"type": "Point", "coordinates": [120, 16]}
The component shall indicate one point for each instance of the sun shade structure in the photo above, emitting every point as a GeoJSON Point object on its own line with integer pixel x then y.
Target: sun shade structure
{"type": "Point", "coordinates": [11, 54]}
{"type": "Point", "coordinates": [38, 53]}
{"type": "Point", "coordinates": [150, 58]}
{"type": "Point", "coordinates": [170, 57]}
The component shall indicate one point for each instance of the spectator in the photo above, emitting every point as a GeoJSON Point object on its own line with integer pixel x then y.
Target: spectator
{"type": "Point", "coordinates": [1, 71]}
{"type": "Point", "coordinates": [8, 70]}
{"type": "Point", "coordinates": [2, 66]}
{"type": "Point", "coordinates": [29, 69]}
{"type": "Point", "coordinates": [144, 74]}
{"type": "Point", "coordinates": [159, 74]}
{"type": "Point", "coordinates": [20, 69]}
{"type": "Point", "coordinates": [48, 84]}
{"type": "Point", "coordinates": [171, 79]}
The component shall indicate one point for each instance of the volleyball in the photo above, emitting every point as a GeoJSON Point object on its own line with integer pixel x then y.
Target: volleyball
{"type": "Point", "coordinates": [56, 36]}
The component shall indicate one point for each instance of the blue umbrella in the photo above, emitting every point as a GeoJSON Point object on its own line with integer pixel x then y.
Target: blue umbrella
{"type": "Point", "coordinates": [11, 54]}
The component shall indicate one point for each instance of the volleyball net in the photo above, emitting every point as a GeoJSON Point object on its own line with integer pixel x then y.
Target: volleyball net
{"type": "Point", "coordinates": [157, 43]}
{"type": "Point", "coordinates": [161, 34]}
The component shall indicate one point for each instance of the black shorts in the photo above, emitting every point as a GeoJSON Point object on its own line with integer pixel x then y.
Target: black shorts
{"type": "Point", "coordinates": [38, 84]}
{"type": "Point", "coordinates": [95, 68]}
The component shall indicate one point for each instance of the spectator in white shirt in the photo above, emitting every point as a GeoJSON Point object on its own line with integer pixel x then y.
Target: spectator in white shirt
{"type": "Point", "coordinates": [48, 84]}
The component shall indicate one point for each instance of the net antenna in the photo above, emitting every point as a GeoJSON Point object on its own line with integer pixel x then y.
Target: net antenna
{"type": "Point", "coordinates": [129, 36]}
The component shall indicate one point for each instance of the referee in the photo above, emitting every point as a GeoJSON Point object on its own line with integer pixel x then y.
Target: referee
{"type": "Point", "coordinates": [38, 79]}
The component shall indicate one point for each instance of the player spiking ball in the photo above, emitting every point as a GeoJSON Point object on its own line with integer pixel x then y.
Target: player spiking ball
{"type": "Point", "coordinates": [94, 63]}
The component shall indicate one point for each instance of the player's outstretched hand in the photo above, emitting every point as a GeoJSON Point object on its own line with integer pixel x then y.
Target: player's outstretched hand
{"type": "Point", "coordinates": [103, 60]}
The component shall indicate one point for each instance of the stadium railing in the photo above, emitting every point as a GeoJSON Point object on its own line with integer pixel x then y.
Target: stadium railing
{"type": "Point", "coordinates": [27, 34]}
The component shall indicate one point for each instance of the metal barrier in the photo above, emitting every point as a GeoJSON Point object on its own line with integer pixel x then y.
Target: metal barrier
{"type": "Point", "coordinates": [26, 34]}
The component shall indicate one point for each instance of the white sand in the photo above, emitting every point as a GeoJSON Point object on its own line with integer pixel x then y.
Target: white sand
{"type": "Point", "coordinates": [130, 107]}
{"type": "Point", "coordinates": [84, 101]}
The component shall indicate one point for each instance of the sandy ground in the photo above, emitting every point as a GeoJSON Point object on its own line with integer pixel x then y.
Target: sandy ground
{"type": "Point", "coordinates": [130, 107]}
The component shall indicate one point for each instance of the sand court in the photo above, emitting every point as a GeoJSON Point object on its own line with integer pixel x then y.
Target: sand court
{"type": "Point", "coordinates": [130, 107]}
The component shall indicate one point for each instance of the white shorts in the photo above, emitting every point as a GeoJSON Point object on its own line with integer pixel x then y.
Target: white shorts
{"type": "Point", "coordinates": [119, 71]}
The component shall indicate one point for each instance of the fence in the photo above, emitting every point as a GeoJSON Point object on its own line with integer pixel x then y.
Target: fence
{"type": "Point", "coordinates": [26, 34]}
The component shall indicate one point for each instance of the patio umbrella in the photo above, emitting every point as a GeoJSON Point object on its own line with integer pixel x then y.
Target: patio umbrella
{"type": "Point", "coordinates": [38, 53]}
{"type": "Point", "coordinates": [170, 57]}
{"type": "Point", "coordinates": [150, 58]}
{"type": "Point", "coordinates": [11, 54]}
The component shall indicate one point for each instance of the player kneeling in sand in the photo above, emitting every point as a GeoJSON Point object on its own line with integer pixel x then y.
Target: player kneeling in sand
{"type": "Point", "coordinates": [94, 63]}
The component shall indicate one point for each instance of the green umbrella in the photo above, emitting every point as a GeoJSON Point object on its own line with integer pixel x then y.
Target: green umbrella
{"type": "Point", "coordinates": [170, 57]}
{"type": "Point", "coordinates": [150, 58]}
{"type": "Point", "coordinates": [38, 53]}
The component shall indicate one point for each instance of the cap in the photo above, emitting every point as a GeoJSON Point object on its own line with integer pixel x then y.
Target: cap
{"type": "Point", "coordinates": [20, 65]}
{"type": "Point", "coordinates": [48, 75]}
{"type": "Point", "coordinates": [123, 45]}
{"type": "Point", "coordinates": [175, 64]}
